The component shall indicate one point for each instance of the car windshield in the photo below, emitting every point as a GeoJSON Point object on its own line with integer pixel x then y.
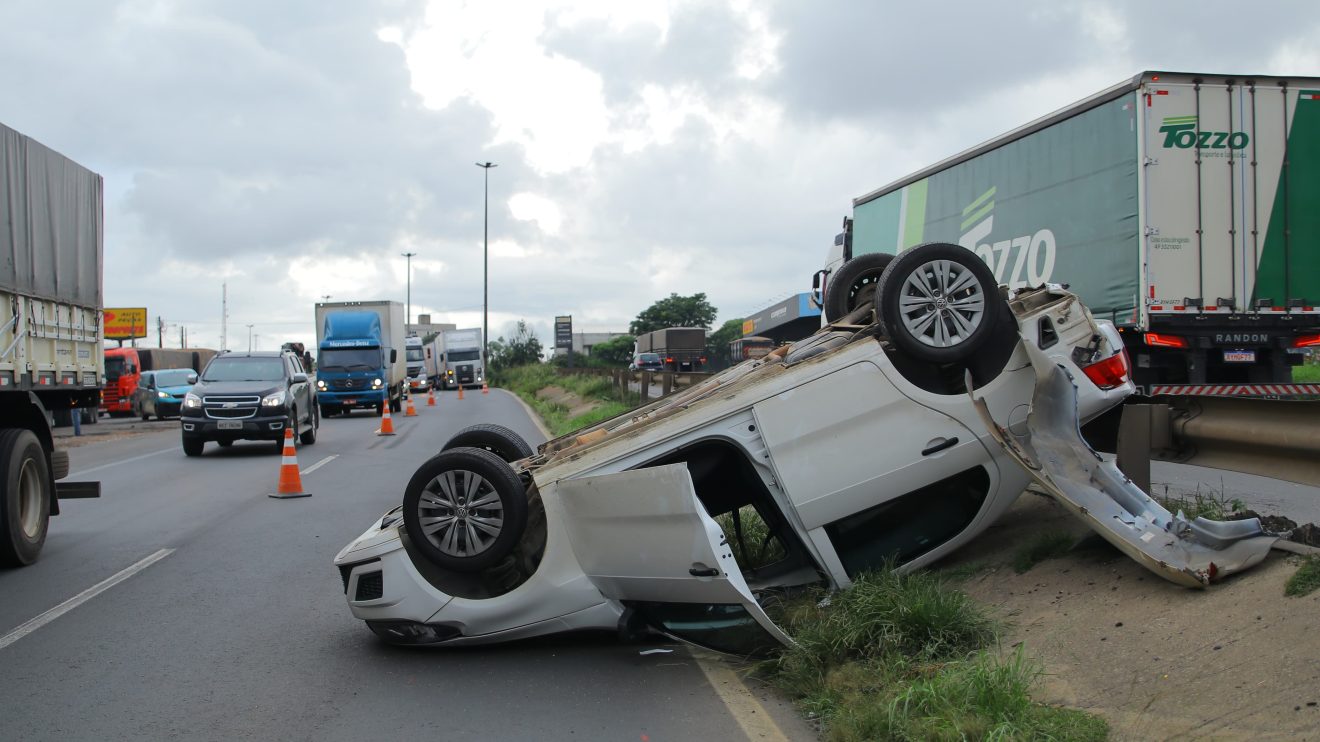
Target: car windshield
{"type": "Point", "coordinates": [350, 359]}
{"type": "Point", "coordinates": [648, 358]}
{"type": "Point", "coordinates": [173, 377]}
{"type": "Point", "coordinates": [464, 355]}
{"type": "Point", "coordinates": [245, 369]}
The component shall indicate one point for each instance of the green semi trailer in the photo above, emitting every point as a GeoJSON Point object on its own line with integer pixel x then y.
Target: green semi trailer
{"type": "Point", "coordinates": [1183, 207]}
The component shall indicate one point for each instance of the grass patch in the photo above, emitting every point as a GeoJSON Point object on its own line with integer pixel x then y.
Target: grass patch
{"type": "Point", "coordinates": [1308, 373]}
{"type": "Point", "coordinates": [757, 548]}
{"type": "Point", "coordinates": [964, 572]}
{"type": "Point", "coordinates": [526, 381]}
{"type": "Point", "coordinates": [906, 657]}
{"type": "Point", "coordinates": [1201, 505]}
{"type": "Point", "coordinates": [1045, 546]}
{"type": "Point", "coordinates": [1305, 580]}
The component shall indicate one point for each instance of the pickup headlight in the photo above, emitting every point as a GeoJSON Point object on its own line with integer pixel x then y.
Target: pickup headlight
{"type": "Point", "coordinates": [273, 400]}
{"type": "Point", "coordinates": [377, 383]}
{"type": "Point", "coordinates": [192, 401]}
{"type": "Point", "coordinates": [320, 385]}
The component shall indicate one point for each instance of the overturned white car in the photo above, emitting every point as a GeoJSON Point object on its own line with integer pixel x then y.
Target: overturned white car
{"type": "Point", "coordinates": [857, 447]}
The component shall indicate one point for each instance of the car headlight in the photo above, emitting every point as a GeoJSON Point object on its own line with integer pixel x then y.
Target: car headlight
{"type": "Point", "coordinates": [320, 385]}
{"type": "Point", "coordinates": [377, 383]}
{"type": "Point", "coordinates": [163, 395]}
{"type": "Point", "coordinates": [273, 400]}
{"type": "Point", "coordinates": [192, 401]}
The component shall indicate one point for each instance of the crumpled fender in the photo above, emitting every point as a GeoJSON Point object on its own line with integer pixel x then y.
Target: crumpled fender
{"type": "Point", "coordinates": [1190, 553]}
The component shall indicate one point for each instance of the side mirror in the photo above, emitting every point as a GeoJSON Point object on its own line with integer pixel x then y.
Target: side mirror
{"type": "Point", "coordinates": [192, 378]}
{"type": "Point", "coordinates": [818, 289]}
{"type": "Point", "coordinates": [300, 378]}
{"type": "Point", "coordinates": [394, 355]}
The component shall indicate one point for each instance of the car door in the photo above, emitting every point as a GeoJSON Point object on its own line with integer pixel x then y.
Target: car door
{"type": "Point", "coordinates": [644, 539]}
{"type": "Point", "coordinates": [145, 392]}
{"type": "Point", "coordinates": [299, 389]}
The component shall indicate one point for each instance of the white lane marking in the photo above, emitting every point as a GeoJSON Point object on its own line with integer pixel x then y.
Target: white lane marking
{"type": "Point", "coordinates": [121, 461]}
{"type": "Point", "coordinates": [81, 598]}
{"type": "Point", "coordinates": [320, 464]}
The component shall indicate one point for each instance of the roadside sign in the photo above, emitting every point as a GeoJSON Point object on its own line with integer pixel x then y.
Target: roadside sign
{"type": "Point", "coordinates": [564, 332]}
{"type": "Point", "coordinates": [125, 323]}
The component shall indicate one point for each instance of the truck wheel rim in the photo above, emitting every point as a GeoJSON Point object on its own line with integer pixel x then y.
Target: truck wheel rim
{"type": "Point", "coordinates": [29, 500]}
{"type": "Point", "coordinates": [941, 303]}
{"type": "Point", "coordinates": [460, 513]}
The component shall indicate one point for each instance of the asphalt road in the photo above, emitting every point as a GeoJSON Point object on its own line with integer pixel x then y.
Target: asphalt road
{"type": "Point", "coordinates": [236, 627]}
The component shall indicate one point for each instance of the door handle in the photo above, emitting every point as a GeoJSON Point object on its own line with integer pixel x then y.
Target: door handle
{"type": "Point", "coordinates": [704, 572]}
{"type": "Point", "coordinates": [945, 445]}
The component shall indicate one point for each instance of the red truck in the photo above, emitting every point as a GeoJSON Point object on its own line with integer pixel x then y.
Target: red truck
{"type": "Point", "coordinates": [124, 367]}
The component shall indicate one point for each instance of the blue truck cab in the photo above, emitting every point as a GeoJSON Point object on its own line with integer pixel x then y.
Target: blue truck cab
{"type": "Point", "coordinates": [354, 364]}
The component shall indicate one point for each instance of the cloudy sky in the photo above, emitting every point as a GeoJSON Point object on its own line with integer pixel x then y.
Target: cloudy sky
{"type": "Point", "coordinates": [294, 149]}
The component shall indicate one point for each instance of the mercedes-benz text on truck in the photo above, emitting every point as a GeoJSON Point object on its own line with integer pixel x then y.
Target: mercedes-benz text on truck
{"type": "Point", "coordinates": [360, 361]}
{"type": "Point", "coordinates": [1182, 207]}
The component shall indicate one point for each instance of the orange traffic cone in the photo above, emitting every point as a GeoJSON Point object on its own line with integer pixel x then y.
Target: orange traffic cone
{"type": "Point", "coordinates": [410, 411]}
{"type": "Point", "coordinates": [386, 424]}
{"type": "Point", "coordinates": [484, 389]}
{"type": "Point", "coordinates": [290, 485]}
{"type": "Point", "coordinates": [430, 398]}
{"type": "Point", "coordinates": [460, 391]}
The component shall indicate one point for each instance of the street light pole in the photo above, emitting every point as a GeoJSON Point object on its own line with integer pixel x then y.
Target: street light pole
{"type": "Point", "coordinates": [408, 320]}
{"type": "Point", "coordinates": [485, 258]}
{"type": "Point", "coordinates": [249, 338]}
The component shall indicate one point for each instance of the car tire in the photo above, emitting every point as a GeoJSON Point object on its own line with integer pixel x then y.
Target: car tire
{"type": "Point", "coordinates": [919, 283]}
{"type": "Point", "coordinates": [193, 446]}
{"type": "Point", "coordinates": [497, 439]}
{"type": "Point", "coordinates": [435, 493]}
{"type": "Point", "coordinates": [308, 437]}
{"type": "Point", "coordinates": [855, 283]}
{"type": "Point", "coordinates": [25, 497]}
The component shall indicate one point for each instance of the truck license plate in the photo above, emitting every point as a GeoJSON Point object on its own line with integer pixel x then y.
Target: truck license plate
{"type": "Point", "coordinates": [229, 425]}
{"type": "Point", "coordinates": [1239, 356]}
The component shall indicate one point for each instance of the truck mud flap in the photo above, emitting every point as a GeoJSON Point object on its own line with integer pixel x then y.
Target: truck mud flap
{"type": "Point", "coordinates": [1191, 553]}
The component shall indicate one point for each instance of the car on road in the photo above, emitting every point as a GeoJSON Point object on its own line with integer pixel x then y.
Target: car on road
{"type": "Point", "coordinates": [646, 362]}
{"type": "Point", "coordinates": [862, 447]}
{"type": "Point", "coordinates": [161, 392]}
{"type": "Point", "coordinates": [254, 395]}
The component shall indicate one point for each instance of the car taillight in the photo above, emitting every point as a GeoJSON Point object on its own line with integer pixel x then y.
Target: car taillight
{"type": "Point", "coordinates": [1306, 341]}
{"type": "Point", "coordinates": [1157, 340]}
{"type": "Point", "coordinates": [669, 360]}
{"type": "Point", "coordinates": [1110, 373]}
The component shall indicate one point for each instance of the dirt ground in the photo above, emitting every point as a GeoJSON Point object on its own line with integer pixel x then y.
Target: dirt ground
{"type": "Point", "coordinates": [1238, 660]}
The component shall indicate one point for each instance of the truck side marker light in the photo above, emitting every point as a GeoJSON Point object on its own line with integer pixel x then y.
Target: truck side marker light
{"type": "Point", "coordinates": [290, 484]}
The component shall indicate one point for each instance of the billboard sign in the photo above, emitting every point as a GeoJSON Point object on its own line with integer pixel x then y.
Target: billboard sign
{"type": "Point", "coordinates": [125, 323]}
{"type": "Point", "coordinates": [564, 331]}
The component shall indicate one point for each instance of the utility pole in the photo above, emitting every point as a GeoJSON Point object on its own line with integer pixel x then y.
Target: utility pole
{"type": "Point", "coordinates": [408, 317]}
{"type": "Point", "coordinates": [224, 315]}
{"type": "Point", "coordinates": [160, 331]}
{"type": "Point", "coordinates": [485, 259]}
{"type": "Point", "coordinates": [249, 338]}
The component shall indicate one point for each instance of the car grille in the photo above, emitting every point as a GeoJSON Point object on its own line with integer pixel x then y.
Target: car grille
{"type": "Point", "coordinates": [217, 407]}
{"type": "Point", "coordinates": [346, 571]}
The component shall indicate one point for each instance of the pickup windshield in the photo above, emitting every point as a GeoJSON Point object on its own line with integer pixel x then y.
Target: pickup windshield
{"type": "Point", "coordinates": [245, 369]}
{"type": "Point", "coordinates": [350, 359]}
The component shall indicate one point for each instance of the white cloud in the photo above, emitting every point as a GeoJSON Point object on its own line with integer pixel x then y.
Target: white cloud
{"type": "Point", "coordinates": [531, 207]}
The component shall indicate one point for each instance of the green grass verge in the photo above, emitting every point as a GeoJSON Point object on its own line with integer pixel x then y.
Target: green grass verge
{"type": "Point", "coordinates": [1309, 373]}
{"type": "Point", "coordinates": [526, 381]}
{"type": "Point", "coordinates": [907, 657]}
{"type": "Point", "coordinates": [1198, 505]}
{"type": "Point", "coordinates": [1305, 580]}
{"type": "Point", "coordinates": [1045, 546]}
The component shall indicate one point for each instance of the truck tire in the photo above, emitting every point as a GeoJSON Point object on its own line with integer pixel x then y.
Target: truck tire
{"type": "Point", "coordinates": [497, 439]}
{"type": "Point", "coordinates": [855, 283]}
{"type": "Point", "coordinates": [25, 497]}
{"type": "Point", "coordinates": [460, 534]}
{"type": "Point", "coordinates": [938, 302]}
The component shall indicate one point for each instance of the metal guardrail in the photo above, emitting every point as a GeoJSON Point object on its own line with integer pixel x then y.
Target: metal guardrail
{"type": "Point", "coordinates": [667, 382]}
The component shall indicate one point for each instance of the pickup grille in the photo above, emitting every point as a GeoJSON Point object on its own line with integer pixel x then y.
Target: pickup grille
{"type": "Point", "coordinates": [230, 407]}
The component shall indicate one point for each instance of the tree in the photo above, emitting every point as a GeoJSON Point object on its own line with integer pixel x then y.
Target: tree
{"type": "Point", "coordinates": [615, 351]}
{"type": "Point", "coordinates": [522, 349]}
{"type": "Point", "coordinates": [717, 343]}
{"type": "Point", "coordinates": [674, 311]}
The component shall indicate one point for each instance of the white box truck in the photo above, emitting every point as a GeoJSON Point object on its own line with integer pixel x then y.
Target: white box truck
{"type": "Point", "coordinates": [462, 362]}
{"type": "Point", "coordinates": [360, 356]}
{"type": "Point", "coordinates": [51, 358]}
{"type": "Point", "coordinates": [1183, 207]}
